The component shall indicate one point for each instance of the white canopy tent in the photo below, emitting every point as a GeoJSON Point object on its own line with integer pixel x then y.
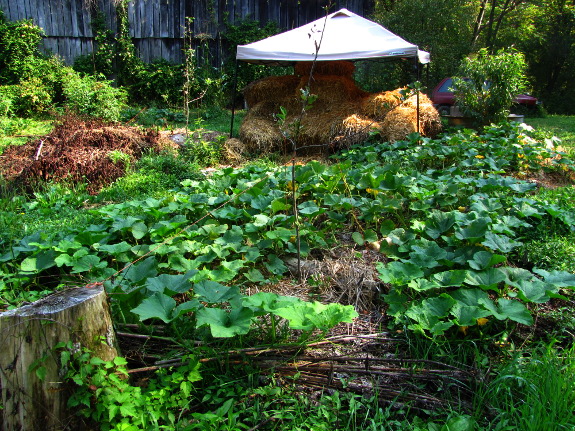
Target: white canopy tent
{"type": "Point", "coordinates": [342, 35]}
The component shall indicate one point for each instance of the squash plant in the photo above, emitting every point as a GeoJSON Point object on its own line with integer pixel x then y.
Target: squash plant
{"type": "Point", "coordinates": [444, 212]}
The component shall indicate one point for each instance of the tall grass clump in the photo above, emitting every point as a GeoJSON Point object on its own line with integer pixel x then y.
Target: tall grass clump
{"type": "Point", "coordinates": [533, 392]}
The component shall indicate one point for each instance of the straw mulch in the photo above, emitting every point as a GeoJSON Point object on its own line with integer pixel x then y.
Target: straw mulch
{"type": "Point", "coordinates": [341, 116]}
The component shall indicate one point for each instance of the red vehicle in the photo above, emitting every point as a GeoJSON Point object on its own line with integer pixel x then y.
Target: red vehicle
{"type": "Point", "coordinates": [443, 98]}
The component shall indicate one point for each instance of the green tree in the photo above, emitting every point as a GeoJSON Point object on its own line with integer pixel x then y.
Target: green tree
{"type": "Point", "coordinates": [442, 28]}
{"type": "Point", "coordinates": [550, 53]}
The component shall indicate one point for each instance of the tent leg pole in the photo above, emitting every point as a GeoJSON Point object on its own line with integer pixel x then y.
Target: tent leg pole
{"type": "Point", "coordinates": [417, 92]}
{"type": "Point", "coordinates": [234, 93]}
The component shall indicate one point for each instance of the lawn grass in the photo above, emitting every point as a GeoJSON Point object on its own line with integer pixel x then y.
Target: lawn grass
{"type": "Point", "coordinates": [214, 118]}
{"type": "Point", "coordinates": [562, 126]}
{"type": "Point", "coordinates": [18, 131]}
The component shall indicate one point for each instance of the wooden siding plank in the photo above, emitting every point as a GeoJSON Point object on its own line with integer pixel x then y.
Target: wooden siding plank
{"type": "Point", "coordinates": [163, 28]}
{"type": "Point", "coordinates": [156, 14]}
{"type": "Point", "coordinates": [41, 15]}
{"type": "Point", "coordinates": [74, 30]}
{"type": "Point", "coordinates": [83, 19]}
{"type": "Point", "coordinates": [178, 18]}
{"type": "Point", "coordinates": [66, 29]}
{"type": "Point", "coordinates": [133, 19]}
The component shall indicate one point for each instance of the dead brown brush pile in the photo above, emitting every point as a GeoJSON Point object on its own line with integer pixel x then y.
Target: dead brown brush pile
{"type": "Point", "coordinates": [342, 114]}
{"type": "Point", "coordinates": [77, 150]}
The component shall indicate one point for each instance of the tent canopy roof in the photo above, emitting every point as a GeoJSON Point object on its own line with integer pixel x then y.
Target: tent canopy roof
{"type": "Point", "coordinates": [341, 35]}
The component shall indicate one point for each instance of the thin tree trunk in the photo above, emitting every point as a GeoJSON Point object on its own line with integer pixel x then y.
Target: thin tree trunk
{"type": "Point", "coordinates": [478, 23]}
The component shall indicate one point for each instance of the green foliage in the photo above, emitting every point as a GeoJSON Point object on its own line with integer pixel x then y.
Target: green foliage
{"type": "Point", "coordinates": [448, 221]}
{"type": "Point", "coordinates": [101, 60]}
{"type": "Point", "coordinates": [104, 396]}
{"type": "Point", "coordinates": [547, 40]}
{"type": "Point", "coordinates": [202, 152]}
{"type": "Point", "coordinates": [33, 84]}
{"type": "Point", "coordinates": [159, 82]}
{"type": "Point", "coordinates": [442, 28]}
{"type": "Point", "coordinates": [533, 392]}
{"type": "Point", "coordinates": [447, 252]}
{"type": "Point", "coordinates": [242, 33]}
{"type": "Point", "coordinates": [88, 96]}
{"type": "Point", "coordinates": [493, 81]}
{"type": "Point", "coordinates": [18, 49]}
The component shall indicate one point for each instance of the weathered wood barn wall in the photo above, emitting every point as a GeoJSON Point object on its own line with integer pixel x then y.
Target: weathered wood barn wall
{"type": "Point", "coordinates": [157, 26]}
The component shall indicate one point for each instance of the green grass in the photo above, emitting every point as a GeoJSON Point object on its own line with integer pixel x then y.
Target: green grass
{"type": "Point", "coordinates": [213, 118]}
{"type": "Point", "coordinates": [18, 131]}
{"type": "Point", "coordinates": [562, 126]}
{"type": "Point", "coordinates": [533, 391]}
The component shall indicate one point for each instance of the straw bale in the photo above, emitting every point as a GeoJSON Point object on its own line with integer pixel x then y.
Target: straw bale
{"type": "Point", "coordinates": [234, 150]}
{"type": "Point", "coordinates": [399, 123]}
{"type": "Point", "coordinates": [260, 135]}
{"type": "Point", "coordinates": [377, 105]}
{"type": "Point", "coordinates": [339, 127]}
{"type": "Point", "coordinates": [318, 131]}
{"type": "Point", "coordinates": [429, 118]}
{"type": "Point", "coordinates": [338, 67]}
{"type": "Point", "coordinates": [270, 88]}
{"type": "Point", "coordinates": [332, 89]}
{"type": "Point", "coordinates": [357, 129]}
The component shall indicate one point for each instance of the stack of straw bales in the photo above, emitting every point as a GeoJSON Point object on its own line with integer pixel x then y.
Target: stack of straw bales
{"type": "Point", "coordinates": [341, 116]}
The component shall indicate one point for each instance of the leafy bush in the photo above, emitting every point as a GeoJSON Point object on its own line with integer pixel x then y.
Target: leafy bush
{"type": "Point", "coordinates": [159, 82]}
{"type": "Point", "coordinates": [7, 97]}
{"type": "Point", "coordinates": [489, 85]}
{"type": "Point", "coordinates": [34, 97]}
{"type": "Point", "coordinates": [88, 96]}
{"type": "Point", "coordinates": [202, 152]}
{"type": "Point", "coordinates": [18, 48]}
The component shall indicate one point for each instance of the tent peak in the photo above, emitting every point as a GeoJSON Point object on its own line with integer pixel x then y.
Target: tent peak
{"type": "Point", "coordinates": [341, 13]}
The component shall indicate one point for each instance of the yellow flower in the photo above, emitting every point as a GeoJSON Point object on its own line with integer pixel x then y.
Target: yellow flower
{"type": "Point", "coordinates": [482, 321]}
{"type": "Point", "coordinates": [290, 186]}
{"type": "Point", "coordinates": [479, 156]}
{"type": "Point", "coordinates": [462, 209]}
{"type": "Point", "coordinates": [463, 329]}
{"type": "Point", "coordinates": [372, 191]}
{"type": "Point", "coordinates": [520, 156]}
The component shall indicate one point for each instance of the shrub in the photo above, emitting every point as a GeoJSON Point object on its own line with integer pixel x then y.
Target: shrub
{"type": "Point", "coordinates": [494, 80]}
{"type": "Point", "coordinates": [18, 48]}
{"type": "Point", "coordinates": [88, 96]}
{"type": "Point", "coordinates": [158, 82]}
{"type": "Point", "coordinates": [7, 97]}
{"type": "Point", "coordinates": [33, 97]}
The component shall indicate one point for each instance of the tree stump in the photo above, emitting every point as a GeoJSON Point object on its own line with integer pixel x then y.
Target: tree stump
{"type": "Point", "coordinates": [27, 339]}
